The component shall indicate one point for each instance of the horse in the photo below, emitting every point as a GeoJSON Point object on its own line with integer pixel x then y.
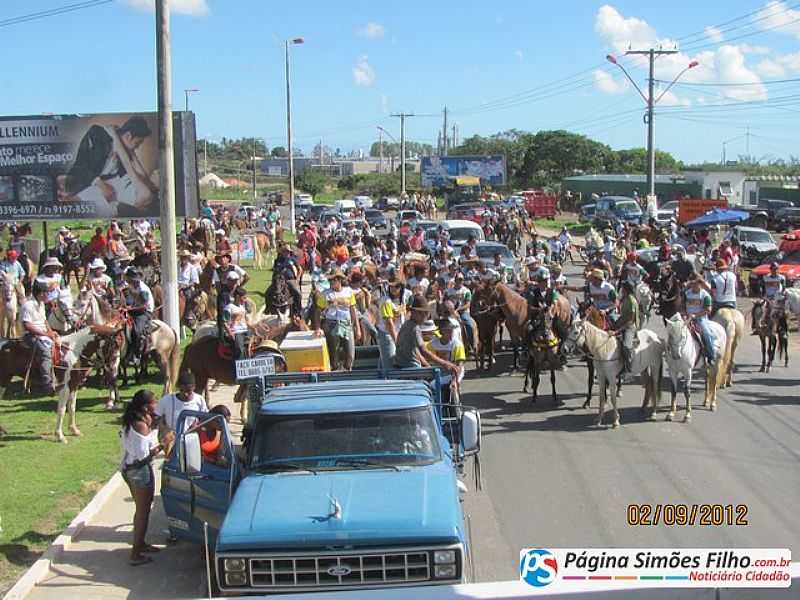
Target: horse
{"type": "Point", "coordinates": [669, 296]}
{"type": "Point", "coordinates": [62, 318]}
{"type": "Point", "coordinates": [203, 235]}
{"type": "Point", "coordinates": [515, 312]}
{"type": "Point", "coordinates": [605, 350]}
{"type": "Point", "coordinates": [191, 314]}
{"type": "Point", "coordinates": [542, 355]}
{"type": "Point", "coordinates": [644, 296]}
{"type": "Point", "coordinates": [793, 301]}
{"type": "Point", "coordinates": [262, 247]}
{"type": "Point", "coordinates": [73, 260]}
{"type": "Point", "coordinates": [488, 320]}
{"type": "Point", "coordinates": [277, 300]}
{"type": "Point", "coordinates": [9, 306]}
{"type": "Point", "coordinates": [682, 353]}
{"type": "Point", "coordinates": [767, 318]}
{"type": "Point", "coordinates": [733, 322]}
{"type": "Point", "coordinates": [206, 357]}
{"type": "Point", "coordinates": [164, 345]}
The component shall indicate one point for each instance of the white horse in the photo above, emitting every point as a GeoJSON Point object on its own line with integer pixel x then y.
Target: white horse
{"type": "Point", "coordinates": [606, 353]}
{"type": "Point", "coordinates": [9, 306]}
{"type": "Point", "coordinates": [644, 296]}
{"type": "Point", "coordinates": [732, 322]}
{"type": "Point", "coordinates": [793, 302]}
{"type": "Point", "coordinates": [682, 354]}
{"type": "Point", "coordinates": [62, 317]}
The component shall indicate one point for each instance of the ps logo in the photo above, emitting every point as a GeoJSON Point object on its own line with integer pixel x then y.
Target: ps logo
{"type": "Point", "coordinates": [537, 567]}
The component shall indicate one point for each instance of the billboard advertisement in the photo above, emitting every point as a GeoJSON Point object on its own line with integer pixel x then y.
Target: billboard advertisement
{"type": "Point", "coordinates": [435, 171]}
{"type": "Point", "coordinates": [91, 166]}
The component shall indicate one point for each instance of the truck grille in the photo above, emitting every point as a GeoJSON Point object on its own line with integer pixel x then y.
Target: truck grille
{"type": "Point", "coordinates": [345, 570]}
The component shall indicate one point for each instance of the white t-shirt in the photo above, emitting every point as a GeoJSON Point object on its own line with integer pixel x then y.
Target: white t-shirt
{"type": "Point", "coordinates": [724, 287]}
{"type": "Point", "coordinates": [136, 446]}
{"type": "Point", "coordinates": [188, 274]}
{"type": "Point", "coordinates": [170, 408]}
{"type": "Point", "coordinates": [33, 312]}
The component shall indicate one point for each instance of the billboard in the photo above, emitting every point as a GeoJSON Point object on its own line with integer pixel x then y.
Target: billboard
{"type": "Point", "coordinates": [100, 166]}
{"type": "Point", "coordinates": [435, 171]}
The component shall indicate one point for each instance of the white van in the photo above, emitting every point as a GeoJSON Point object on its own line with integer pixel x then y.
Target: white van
{"type": "Point", "coordinates": [300, 198]}
{"type": "Point", "coordinates": [460, 230]}
{"type": "Point", "coordinates": [363, 201]}
{"type": "Point", "coordinates": [345, 207]}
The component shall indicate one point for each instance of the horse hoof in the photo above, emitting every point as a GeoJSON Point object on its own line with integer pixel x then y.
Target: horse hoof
{"type": "Point", "coordinates": [615, 425]}
{"type": "Point", "coordinates": [714, 407]}
{"type": "Point", "coordinates": [767, 371]}
{"type": "Point", "coordinates": [670, 416]}
{"type": "Point", "coordinates": [598, 421]}
{"type": "Point", "coordinates": [762, 369]}
{"type": "Point", "coordinates": [75, 431]}
{"type": "Point", "coordinates": [652, 416]}
{"type": "Point", "coordinates": [687, 418]}
{"type": "Point", "coordinates": [110, 405]}
{"type": "Point", "coordinates": [61, 438]}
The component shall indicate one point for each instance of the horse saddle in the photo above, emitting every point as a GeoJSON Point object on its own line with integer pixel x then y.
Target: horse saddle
{"type": "Point", "coordinates": [694, 330]}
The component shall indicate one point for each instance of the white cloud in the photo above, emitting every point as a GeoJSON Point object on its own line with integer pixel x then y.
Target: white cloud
{"type": "Point", "coordinates": [519, 54]}
{"type": "Point", "coordinates": [769, 68]}
{"type": "Point", "coordinates": [193, 8]}
{"type": "Point", "coordinates": [385, 104]}
{"type": "Point", "coordinates": [777, 15]}
{"type": "Point", "coordinates": [372, 30]}
{"type": "Point", "coordinates": [748, 49]}
{"type": "Point", "coordinates": [713, 33]}
{"type": "Point", "coordinates": [363, 73]}
{"type": "Point", "coordinates": [604, 82]}
{"type": "Point", "coordinates": [791, 61]}
{"type": "Point", "coordinates": [670, 99]}
{"type": "Point", "coordinates": [725, 64]}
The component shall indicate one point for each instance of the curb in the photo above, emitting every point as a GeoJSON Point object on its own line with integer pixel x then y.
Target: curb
{"type": "Point", "coordinates": [39, 570]}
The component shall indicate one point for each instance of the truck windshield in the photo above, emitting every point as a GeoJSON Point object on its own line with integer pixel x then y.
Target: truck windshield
{"type": "Point", "coordinates": [347, 440]}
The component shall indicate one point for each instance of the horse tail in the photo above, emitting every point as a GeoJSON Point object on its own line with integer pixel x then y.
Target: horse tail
{"type": "Point", "coordinates": [173, 362]}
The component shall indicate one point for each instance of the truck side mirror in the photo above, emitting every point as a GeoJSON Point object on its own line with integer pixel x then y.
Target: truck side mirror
{"type": "Point", "coordinates": [191, 457]}
{"type": "Point", "coordinates": [471, 432]}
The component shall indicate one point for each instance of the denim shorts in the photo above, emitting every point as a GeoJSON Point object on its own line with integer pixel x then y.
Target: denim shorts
{"type": "Point", "coordinates": [139, 477]}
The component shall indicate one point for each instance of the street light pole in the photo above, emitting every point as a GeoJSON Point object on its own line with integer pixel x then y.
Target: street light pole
{"type": "Point", "coordinates": [651, 101]}
{"type": "Point", "coordinates": [289, 134]}
{"type": "Point", "coordinates": [186, 93]}
{"type": "Point", "coordinates": [391, 137]}
{"type": "Point", "coordinates": [169, 252]}
{"type": "Point", "coordinates": [403, 149]}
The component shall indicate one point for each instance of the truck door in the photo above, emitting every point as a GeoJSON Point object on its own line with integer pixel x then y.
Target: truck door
{"type": "Point", "coordinates": [200, 476]}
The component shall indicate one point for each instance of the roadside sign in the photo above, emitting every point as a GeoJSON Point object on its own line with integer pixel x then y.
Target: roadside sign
{"type": "Point", "coordinates": [253, 368]}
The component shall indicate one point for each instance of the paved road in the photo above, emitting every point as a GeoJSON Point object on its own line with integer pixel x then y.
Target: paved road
{"type": "Point", "coordinates": [550, 479]}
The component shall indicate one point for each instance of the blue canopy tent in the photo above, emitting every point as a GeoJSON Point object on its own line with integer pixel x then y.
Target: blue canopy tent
{"type": "Point", "coordinates": [719, 216]}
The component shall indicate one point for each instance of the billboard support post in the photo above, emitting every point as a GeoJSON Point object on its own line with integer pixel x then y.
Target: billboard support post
{"type": "Point", "coordinates": [169, 258]}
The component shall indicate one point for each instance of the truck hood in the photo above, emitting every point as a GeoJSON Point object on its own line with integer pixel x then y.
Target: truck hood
{"type": "Point", "coordinates": [284, 511]}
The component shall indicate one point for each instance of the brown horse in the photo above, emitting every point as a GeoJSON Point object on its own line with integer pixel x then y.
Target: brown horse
{"type": "Point", "coordinates": [488, 319]}
{"type": "Point", "coordinates": [515, 313]}
{"type": "Point", "coordinates": [206, 359]}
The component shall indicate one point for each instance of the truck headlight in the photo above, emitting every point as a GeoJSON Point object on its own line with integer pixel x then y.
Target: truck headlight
{"type": "Point", "coordinates": [444, 571]}
{"type": "Point", "coordinates": [442, 557]}
{"type": "Point", "coordinates": [234, 564]}
{"type": "Point", "coordinates": [235, 578]}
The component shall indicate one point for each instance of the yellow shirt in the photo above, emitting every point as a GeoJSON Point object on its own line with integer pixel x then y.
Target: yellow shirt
{"type": "Point", "coordinates": [452, 351]}
{"type": "Point", "coordinates": [336, 305]}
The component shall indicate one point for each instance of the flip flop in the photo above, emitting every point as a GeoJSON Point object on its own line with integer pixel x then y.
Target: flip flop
{"type": "Point", "coordinates": [142, 560]}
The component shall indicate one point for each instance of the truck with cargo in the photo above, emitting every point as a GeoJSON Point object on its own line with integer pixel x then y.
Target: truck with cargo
{"type": "Point", "coordinates": [345, 481]}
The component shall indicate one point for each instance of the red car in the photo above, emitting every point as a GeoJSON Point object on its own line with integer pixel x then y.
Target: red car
{"type": "Point", "coordinates": [788, 260]}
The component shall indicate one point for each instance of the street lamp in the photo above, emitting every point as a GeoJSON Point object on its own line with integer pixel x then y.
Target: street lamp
{"type": "Point", "coordinates": [289, 132]}
{"type": "Point", "coordinates": [187, 92]}
{"type": "Point", "coordinates": [724, 145]}
{"type": "Point", "coordinates": [651, 102]}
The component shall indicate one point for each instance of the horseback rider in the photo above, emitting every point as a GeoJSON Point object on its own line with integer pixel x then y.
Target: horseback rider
{"type": "Point", "coordinates": [13, 267]}
{"type": "Point", "coordinates": [40, 337]}
{"type": "Point", "coordinates": [140, 306]}
{"type": "Point", "coordinates": [722, 282]}
{"type": "Point", "coordinates": [632, 271]}
{"type": "Point", "coordinates": [234, 317]}
{"type": "Point", "coordinates": [286, 265]}
{"type": "Point", "coordinates": [188, 281]}
{"type": "Point", "coordinates": [698, 309]}
{"type": "Point", "coordinates": [18, 245]}
{"type": "Point", "coordinates": [224, 266]}
{"type": "Point", "coordinates": [774, 284]}
{"type": "Point", "coordinates": [681, 266]}
{"type": "Point", "coordinates": [225, 292]}
{"type": "Point", "coordinates": [116, 254]}
{"type": "Point", "coordinates": [51, 278]}
{"type": "Point", "coordinates": [461, 297]}
{"type": "Point", "coordinates": [97, 281]}
{"type": "Point", "coordinates": [627, 324]}
{"type": "Point", "coordinates": [601, 293]}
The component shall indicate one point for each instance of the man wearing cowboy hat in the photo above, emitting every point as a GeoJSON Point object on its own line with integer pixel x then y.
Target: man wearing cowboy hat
{"type": "Point", "coordinates": [286, 265]}
{"type": "Point", "coordinates": [140, 305]}
{"type": "Point", "coordinates": [225, 266]}
{"type": "Point", "coordinates": [41, 338]}
{"type": "Point", "coordinates": [340, 322]}
{"type": "Point", "coordinates": [221, 244]}
{"type": "Point", "coordinates": [600, 293]}
{"type": "Point", "coordinates": [411, 349]}
{"type": "Point", "coordinates": [51, 278]}
{"type": "Point", "coordinates": [188, 279]}
{"type": "Point", "coordinates": [14, 269]}
{"type": "Point", "coordinates": [723, 285]}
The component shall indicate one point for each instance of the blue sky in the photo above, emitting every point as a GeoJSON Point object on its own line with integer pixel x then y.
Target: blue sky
{"type": "Point", "coordinates": [492, 64]}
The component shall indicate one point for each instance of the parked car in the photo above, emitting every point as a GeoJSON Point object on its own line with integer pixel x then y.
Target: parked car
{"type": "Point", "coordinates": [363, 201]}
{"type": "Point", "coordinates": [788, 259]}
{"type": "Point", "coordinates": [587, 213]}
{"type": "Point", "coordinates": [756, 244]}
{"type": "Point", "coordinates": [388, 202]}
{"type": "Point", "coordinates": [345, 207]}
{"type": "Point", "coordinates": [663, 217]}
{"type": "Point", "coordinates": [514, 202]}
{"type": "Point", "coordinates": [328, 216]}
{"type": "Point", "coordinates": [407, 215]}
{"type": "Point", "coordinates": [314, 211]}
{"type": "Point", "coordinates": [246, 211]}
{"type": "Point", "coordinates": [612, 209]}
{"type": "Point", "coordinates": [771, 207]}
{"type": "Point", "coordinates": [460, 230]}
{"type": "Point", "coordinates": [671, 206]}
{"type": "Point", "coordinates": [486, 252]}
{"type": "Point", "coordinates": [299, 198]}
{"type": "Point", "coordinates": [787, 219]}
{"type": "Point", "coordinates": [470, 211]}
{"type": "Point", "coordinates": [375, 218]}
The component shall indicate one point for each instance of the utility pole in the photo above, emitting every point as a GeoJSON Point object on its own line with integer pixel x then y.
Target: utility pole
{"type": "Point", "coordinates": [169, 252]}
{"type": "Point", "coordinates": [747, 143]}
{"type": "Point", "coordinates": [254, 171]}
{"type": "Point", "coordinates": [205, 156]}
{"type": "Point", "coordinates": [402, 117]}
{"type": "Point", "coordinates": [289, 134]}
{"type": "Point", "coordinates": [454, 136]}
{"type": "Point", "coordinates": [444, 133]}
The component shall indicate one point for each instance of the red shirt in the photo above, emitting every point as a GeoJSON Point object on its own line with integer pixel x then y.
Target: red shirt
{"type": "Point", "coordinates": [308, 239]}
{"type": "Point", "coordinates": [98, 244]}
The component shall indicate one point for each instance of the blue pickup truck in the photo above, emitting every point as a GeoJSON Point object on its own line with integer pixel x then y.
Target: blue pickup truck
{"type": "Point", "coordinates": [345, 481]}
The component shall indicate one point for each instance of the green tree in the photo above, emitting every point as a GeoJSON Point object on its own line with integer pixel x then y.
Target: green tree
{"type": "Point", "coordinates": [279, 152]}
{"type": "Point", "coordinates": [311, 181]}
{"type": "Point", "coordinates": [634, 160]}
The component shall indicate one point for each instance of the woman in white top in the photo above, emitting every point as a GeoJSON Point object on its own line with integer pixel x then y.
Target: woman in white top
{"type": "Point", "coordinates": [391, 315]}
{"type": "Point", "coordinates": [139, 446]}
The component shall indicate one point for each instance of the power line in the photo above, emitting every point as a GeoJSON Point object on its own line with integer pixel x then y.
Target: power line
{"type": "Point", "coordinates": [731, 83]}
{"type": "Point", "coordinates": [53, 12]}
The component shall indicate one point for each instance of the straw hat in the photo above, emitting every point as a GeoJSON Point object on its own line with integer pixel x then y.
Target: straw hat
{"type": "Point", "coordinates": [420, 304]}
{"type": "Point", "coordinates": [97, 263]}
{"type": "Point", "coordinates": [52, 261]}
{"type": "Point", "coordinates": [599, 273]}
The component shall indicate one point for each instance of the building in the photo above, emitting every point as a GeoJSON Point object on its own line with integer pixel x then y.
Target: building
{"type": "Point", "coordinates": [279, 167]}
{"type": "Point", "coordinates": [738, 188]}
